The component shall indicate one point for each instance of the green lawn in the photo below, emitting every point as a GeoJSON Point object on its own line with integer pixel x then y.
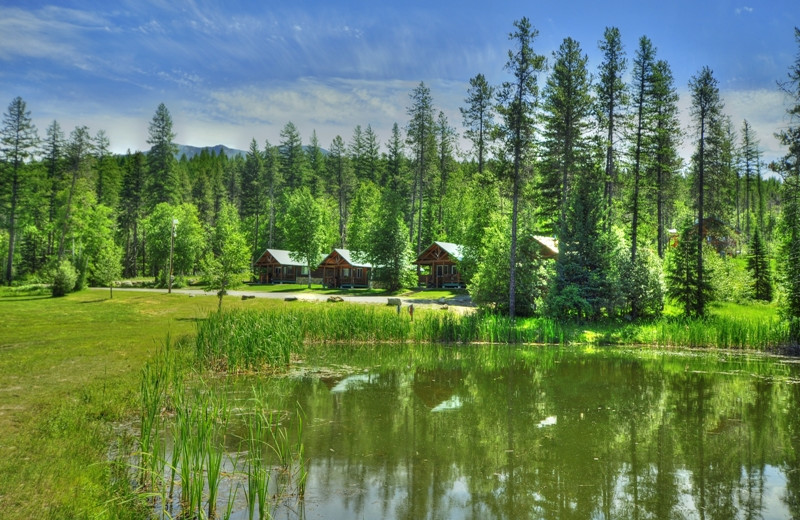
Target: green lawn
{"type": "Point", "coordinates": [70, 371]}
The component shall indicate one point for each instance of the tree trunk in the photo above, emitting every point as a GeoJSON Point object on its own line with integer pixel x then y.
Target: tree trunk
{"type": "Point", "coordinates": [12, 224]}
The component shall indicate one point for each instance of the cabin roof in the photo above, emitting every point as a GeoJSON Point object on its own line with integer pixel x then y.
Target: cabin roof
{"type": "Point", "coordinates": [346, 256]}
{"type": "Point", "coordinates": [549, 245]}
{"type": "Point", "coordinates": [454, 252]}
{"type": "Point", "coordinates": [281, 256]}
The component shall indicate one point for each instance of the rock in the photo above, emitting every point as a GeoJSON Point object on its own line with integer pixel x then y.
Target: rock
{"type": "Point", "coordinates": [247, 297]}
{"type": "Point", "coordinates": [394, 302]}
{"type": "Point", "coordinates": [335, 299]}
{"type": "Point", "coordinates": [290, 299]}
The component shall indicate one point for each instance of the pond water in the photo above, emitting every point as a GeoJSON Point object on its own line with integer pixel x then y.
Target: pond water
{"type": "Point", "coordinates": [488, 432]}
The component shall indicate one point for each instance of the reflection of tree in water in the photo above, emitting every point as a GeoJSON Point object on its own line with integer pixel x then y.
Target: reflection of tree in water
{"type": "Point", "coordinates": [567, 436]}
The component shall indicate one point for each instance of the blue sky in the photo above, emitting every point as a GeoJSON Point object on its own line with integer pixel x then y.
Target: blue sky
{"type": "Point", "coordinates": [230, 71]}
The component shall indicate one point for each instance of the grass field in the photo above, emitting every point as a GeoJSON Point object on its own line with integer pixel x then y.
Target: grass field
{"type": "Point", "coordinates": [69, 371]}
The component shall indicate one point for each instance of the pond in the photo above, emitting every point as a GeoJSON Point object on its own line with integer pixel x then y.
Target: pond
{"type": "Point", "coordinates": [500, 432]}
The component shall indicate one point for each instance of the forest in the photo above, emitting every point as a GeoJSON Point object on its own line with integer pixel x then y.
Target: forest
{"type": "Point", "coordinates": [586, 154]}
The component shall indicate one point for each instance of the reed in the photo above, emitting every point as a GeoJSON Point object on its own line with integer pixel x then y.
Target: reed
{"type": "Point", "coordinates": [257, 465]}
{"type": "Point", "coordinates": [157, 377]}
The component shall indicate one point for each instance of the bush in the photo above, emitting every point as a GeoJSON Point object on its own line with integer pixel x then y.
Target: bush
{"type": "Point", "coordinates": [64, 279]}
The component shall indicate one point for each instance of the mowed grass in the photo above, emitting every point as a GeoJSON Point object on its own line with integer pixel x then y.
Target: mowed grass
{"type": "Point", "coordinates": [69, 374]}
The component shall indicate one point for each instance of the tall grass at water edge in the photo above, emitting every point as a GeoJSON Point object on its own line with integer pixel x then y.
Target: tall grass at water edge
{"type": "Point", "coordinates": [723, 332]}
{"type": "Point", "coordinates": [249, 339]}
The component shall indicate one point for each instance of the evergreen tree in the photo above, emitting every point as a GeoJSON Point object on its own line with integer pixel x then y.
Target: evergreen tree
{"type": "Point", "coordinates": [252, 199]}
{"type": "Point", "coordinates": [567, 148]}
{"type": "Point", "coordinates": [18, 140]}
{"type": "Point", "coordinates": [274, 183]}
{"type": "Point", "coordinates": [132, 200]}
{"type": "Point", "coordinates": [445, 136]}
{"type": "Point", "coordinates": [643, 66]}
{"type": "Point", "coordinates": [79, 159]}
{"type": "Point", "coordinates": [581, 288]}
{"type": "Point", "coordinates": [54, 153]}
{"type": "Point", "coordinates": [356, 151]}
{"type": "Point", "coordinates": [395, 176]}
{"type": "Point", "coordinates": [706, 111]}
{"type": "Point", "coordinates": [316, 165]}
{"type": "Point", "coordinates": [664, 145]}
{"type": "Point", "coordinates": [108, 176]}
{"type": "Point", "coordinates": [517, 103]}
{"type": "Point", "coordinates": [758, 265]}
{"type": "Point", "coordinates": [341, 184]}
{"type": "Point", "coordinates": [789, 169]}
{"type": "Point", "coordinates": [420, 137]}
{"type": "Point", "coordinates": [612, 101]}
{"type": "Point", "coordinates": [749, 156]}
{"type": "Point", "coordinates": [372, 155]}
{"type": "Point", "coordinates": [683, 280]}
{"type": "Point", "coordinates": [293, 163]}
{"type": "Point", "coordinates": [478, 117]}
{"type": "Point", "coordinates": [163, 184]}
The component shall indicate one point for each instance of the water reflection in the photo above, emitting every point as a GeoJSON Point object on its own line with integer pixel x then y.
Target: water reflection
{"type": "Point", "coordinates": [547, 433]}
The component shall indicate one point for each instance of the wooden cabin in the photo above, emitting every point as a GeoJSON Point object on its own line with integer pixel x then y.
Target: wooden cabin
{"type": "Point", "coordinates": [339, 270]}
{"type": "Point", "coordinates": [276, 266]}
{"type": "Point", "coordinates": [439, 266]}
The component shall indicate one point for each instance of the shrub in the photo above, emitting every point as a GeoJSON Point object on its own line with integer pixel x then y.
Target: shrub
{"type": "Point", "coordinates": [64, 279]}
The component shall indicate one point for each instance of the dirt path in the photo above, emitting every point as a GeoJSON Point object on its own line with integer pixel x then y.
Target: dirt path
{"type": "Point", "coordinates": [460, 303]}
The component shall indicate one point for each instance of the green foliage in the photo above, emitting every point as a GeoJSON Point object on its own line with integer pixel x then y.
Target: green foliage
{"type": "Point", "coordinates": [582, 287]}
{"type": "Point", "coordinates": [640, 285]}
{"type": "Point", "coordinates": [758, 265]}
{"type": "Point", "coordinates": [683, 283]}
{"type": "Point", "coordinates": [64, 278]}
{"type": "Point", "coordinates": [189, 239]}
{"type": "Point", "coordinates": [489, 286]}
{"type": "Point", "coordinates": [303, 223]}
{"type": "Point", "coordinates": [230, 254]}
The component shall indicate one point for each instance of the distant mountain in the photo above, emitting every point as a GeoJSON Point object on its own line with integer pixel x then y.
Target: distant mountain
{"type": "Point", "coordinates": [191, 151]}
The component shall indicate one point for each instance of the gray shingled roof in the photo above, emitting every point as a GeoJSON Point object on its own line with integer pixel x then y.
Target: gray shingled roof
{"type": "Point", "coordinates": [283, 257]}
{"type": "Point", "coordinates": [345, 253]}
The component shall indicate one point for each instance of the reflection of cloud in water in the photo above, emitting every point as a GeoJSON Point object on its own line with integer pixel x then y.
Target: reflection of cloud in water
{"type": "Point", "coordinates": [548, 421]}
{"type": "Point", "coordinates": [451, 404]}
{"type": "Point", "coordinates": [351, 383]}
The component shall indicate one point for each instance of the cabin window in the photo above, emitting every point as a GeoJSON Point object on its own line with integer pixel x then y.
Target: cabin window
{"type": "Point", "coordinates": [440, 270]}
{"type": "Point", "coordinates": [304, 270]}
{"type": "Point", "coordinates": [345, 272]}
{"type": "Point", "coordinates": [359, 272]}
{"type": "Point", "coordinates": [277, 271]}
{"type": "Point", "coordinates": [453, 269]}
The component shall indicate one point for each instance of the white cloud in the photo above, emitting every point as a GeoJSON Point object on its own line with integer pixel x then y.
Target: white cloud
{"type": "Point", "coordinates": [764, 109]}
{"type": "Point", "coordinates": [743, 9]}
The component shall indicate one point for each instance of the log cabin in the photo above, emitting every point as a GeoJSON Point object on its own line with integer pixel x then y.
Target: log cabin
{"type": "Point", "coordinates": [439, 266]}
{"type": "Point", "coordinates": [340, 270]}
{"type": "Point", "coordinates": [276, 266]}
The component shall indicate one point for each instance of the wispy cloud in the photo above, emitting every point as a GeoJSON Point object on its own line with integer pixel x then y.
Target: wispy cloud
{"type": "Point", "coordinates": [743, 10]}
